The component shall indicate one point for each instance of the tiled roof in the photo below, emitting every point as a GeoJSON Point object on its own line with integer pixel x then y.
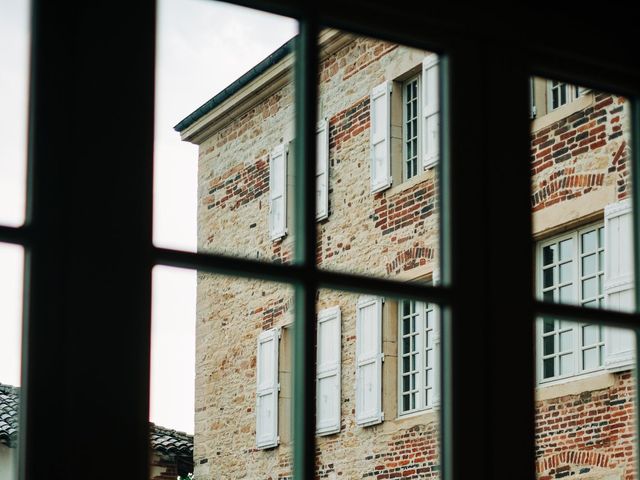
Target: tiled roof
{"type": "Point", "coordinates": [9, 398]}
{"type": "Point", "coordinates": [171, 442]}
{"type": "Point", "coordinates": [163, 440]}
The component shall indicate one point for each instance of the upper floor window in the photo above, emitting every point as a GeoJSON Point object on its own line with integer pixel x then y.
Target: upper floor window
{"type": "Point", "coordinates": [405, 126]}
{"type": "Point", "coordinates": [418, 349]}
{"type": "Point", "coordinates": [560, 93]}
{"type": "Point", "coordinates": [410, 119]}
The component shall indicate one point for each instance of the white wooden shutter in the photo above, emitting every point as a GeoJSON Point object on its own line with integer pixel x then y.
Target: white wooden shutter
{"type": "Point", "coordinates": [369, 361]}
{"type": "Point", "coordinates": [618, 282]}
{"type": "Point", "coordinates": [322, 170]}
{"type": "Point", "coordinates": [430, 112]}
{"type": "Point", "coordinates": [267, 389]}
{"type": "Point", "coordinates": [328, 371]}
{"type": "Point", "coordinates": [532, 99]}
{"type": "Point", "coordinates": [380, 135]}
{"type": "Point", "coordinates": [278, 192]}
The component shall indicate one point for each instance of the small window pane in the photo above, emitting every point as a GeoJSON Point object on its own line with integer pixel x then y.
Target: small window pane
{"type": "Point", "coordinates": [589, 288]}
{"type": "Point", "coordinates": [566, 294]}
{"type": "Point", "coordinates": [589, 264]}
{"type": "Point", "coordinates": [548, 325]}
{"type": "Point", "coordinates": [548, 277]}
{"type": "Point", "coordinates": [590, 334]}
{"type": "Point", "coordinates": [548, 254]}
{"type": "Point", "coordinates": [566, 341]}
{"type": "Point", "coordinates": [548, 345]}
{"type": "Point", "coordinates": [566, 364]}
{"type": "Point", "coordinates": [591, 359]}
{"type": "Point", "coordinates": [566, 272]}
{"type": "Point", "coordinates": [566, 250]}
{"type": "Point", "coordinates": [549, 367]}
{"type": "Point", "coordinates": [589, 242]}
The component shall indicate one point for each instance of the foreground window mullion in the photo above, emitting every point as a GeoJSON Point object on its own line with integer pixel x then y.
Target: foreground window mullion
{"type": "Point", "coordinates": [304, 384]}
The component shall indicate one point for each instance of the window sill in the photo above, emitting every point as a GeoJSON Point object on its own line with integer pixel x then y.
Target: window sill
{"type": "Point", "coordinates": [599, 380]}
{"type": "Point", "coordinates": [429, 415]}
{"type": "Point", "coordinates": [412, 182]}
{"type": "Point", "coordinates": [562, 112]}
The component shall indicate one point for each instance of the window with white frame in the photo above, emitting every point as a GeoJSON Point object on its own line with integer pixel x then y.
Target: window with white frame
{"type": "Point", "coordinates": [571, 270]}
{"type": "Point", "coordinates": [418, 349]}
{"type": "Point", "coordinates": [420, 126]}
{"type": "Point", "coordinates": [590, 267]}
{"type": "Point", "coordinates": [410, 128]}
{"type": "Point", "coordinates": [561, 93]}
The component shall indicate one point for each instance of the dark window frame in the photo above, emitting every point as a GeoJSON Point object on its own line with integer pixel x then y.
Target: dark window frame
{"type": "Point", "coordinates": [89, 250]}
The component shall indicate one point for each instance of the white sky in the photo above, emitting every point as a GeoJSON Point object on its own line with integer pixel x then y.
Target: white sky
{"type": "Point", "coordinates": [202, 47]}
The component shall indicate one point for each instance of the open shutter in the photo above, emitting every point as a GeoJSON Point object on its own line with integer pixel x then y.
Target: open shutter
{"type": "Point", "coordinates": [430, 112]}
{"type": "Point", "coordinates": [369, 361]}
{"type": "Point", "coordinates": [618, 282]}
{"type": "Point", "coordinates": [532, 99]}
{"type": "Point", "coordinates": [328, 372]}
{"type": "Point", "coordinates": [278, 192]}
{"type": "Point", "coordinates": [380, 135]}
{"type": "Point", "coordinates": [322, 170]}
{"type": "Point", "coordinates": [267, 389]}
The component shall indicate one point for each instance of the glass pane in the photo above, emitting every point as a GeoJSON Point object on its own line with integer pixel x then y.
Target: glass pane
{"type": "Point", "coordinates": [589, 265]}
{"type": "Point", "coordinates": [589, 241]}
{"type": "Point", "coordinates": [566, 272]}
{"type": "Point", "coordinates": [214, 151]}
{"type": "Point", "coordinates": [382, 224]}
{"type": "Point", "coordinates": [591, 359]}
{"type": "Point", "coordinates": [566, 364]}
{"type": "Point", "coordinates": [566, 250]}
{"type": "Point", "coordinates": [548, 343]}
{"type": "Point", "coordinates": [566, 341]}
{"type": "Point", "coordinates": [173, 342]}
{"type": "Point", "coordinates": [11, 278]}
{"type": "Point", "coordinates": [548, 277]}
{"type": "Point", "coordinates": [590, 334]}
{"type": "Point", "coordinates": [221, 376]}
{"type": "Point", "coordinates": [589, 288]}
{"type": "Point", "coordinates": [566, 294]}
{"type": "Point", "coordinates": [549, 254]}
{"type": "Point", "coordinates": [14, 84]}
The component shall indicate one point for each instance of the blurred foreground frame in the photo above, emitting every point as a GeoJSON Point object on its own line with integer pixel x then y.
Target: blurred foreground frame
{"type": "Point", "coordinates": [99, 369]}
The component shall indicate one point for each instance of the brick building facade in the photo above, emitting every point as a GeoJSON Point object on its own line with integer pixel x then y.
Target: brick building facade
{"type": "Point", "coordinates": [377, 214]}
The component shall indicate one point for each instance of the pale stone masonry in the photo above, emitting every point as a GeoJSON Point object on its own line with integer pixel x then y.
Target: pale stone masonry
{"type": "Point", "coordinates": [584, 424]}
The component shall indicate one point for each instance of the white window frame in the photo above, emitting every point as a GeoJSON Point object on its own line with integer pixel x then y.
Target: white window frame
{"type": "Point", "coordinates": [576, 328]}
{"type": "Point", "coordinates": [418, 133]}
{"type": "Point", "coordinates": [423, 403]}
{"type": "Point", "coordinates": [572, 93]}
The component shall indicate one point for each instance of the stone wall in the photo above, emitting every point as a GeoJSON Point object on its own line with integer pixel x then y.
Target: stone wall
{"type": "Point", "coordinates": [392, 233]}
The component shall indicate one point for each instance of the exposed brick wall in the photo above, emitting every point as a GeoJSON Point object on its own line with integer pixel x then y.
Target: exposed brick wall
{"type": "Point", "coordinates": [581, 153]}
{"type": "Point", "coordinates": [587, 432]}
